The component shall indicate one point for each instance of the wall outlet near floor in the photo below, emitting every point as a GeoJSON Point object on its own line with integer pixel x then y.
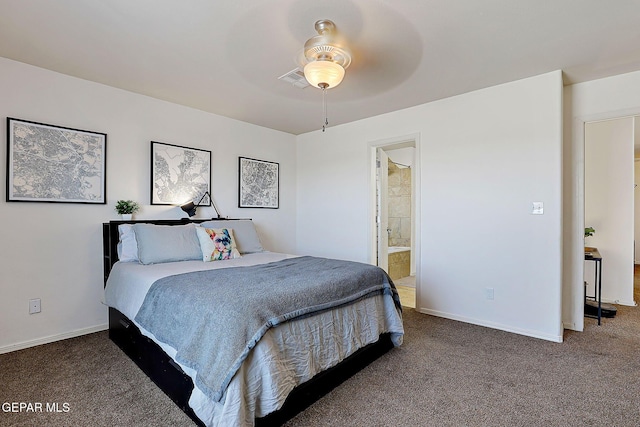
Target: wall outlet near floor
{"type": "Point", "coordinates": [489, 293]}
{"type": "Point", "coordinates": [34, 306]}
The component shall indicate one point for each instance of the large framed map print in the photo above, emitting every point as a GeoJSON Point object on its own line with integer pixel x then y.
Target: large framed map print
{"type": "Point", "coordinates": [47, 163]}
{"type": "Point", "coordinates": [259, 184]}
{"type": "Point", "coordinates": [179, 174]}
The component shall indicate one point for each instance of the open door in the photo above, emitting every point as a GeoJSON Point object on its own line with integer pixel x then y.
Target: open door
{"type": "Point", "coordinates": [383, 209]}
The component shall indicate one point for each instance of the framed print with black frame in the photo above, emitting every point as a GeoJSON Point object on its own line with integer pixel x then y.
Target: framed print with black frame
{"type": "Point", "coordinates": [259, 184]}
{"type": "Point", "coordinates": [49, 163]}
{"type": "Point", "coordinates": [179, 174]}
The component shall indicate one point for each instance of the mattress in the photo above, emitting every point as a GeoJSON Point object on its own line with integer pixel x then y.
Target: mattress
{"type": "Point", "coordinates": [285, 357]}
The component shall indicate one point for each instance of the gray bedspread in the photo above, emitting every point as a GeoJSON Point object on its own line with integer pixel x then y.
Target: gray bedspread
{"type": "Point", "coordinates": [214, 318]}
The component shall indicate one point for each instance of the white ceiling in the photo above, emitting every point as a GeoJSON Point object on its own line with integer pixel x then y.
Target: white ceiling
{"type": "Point", "coordinates": [225, 56]}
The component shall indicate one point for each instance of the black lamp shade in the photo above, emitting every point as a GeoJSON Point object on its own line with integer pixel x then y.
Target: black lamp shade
{"type": "Point", "coordinates": [189, 208]}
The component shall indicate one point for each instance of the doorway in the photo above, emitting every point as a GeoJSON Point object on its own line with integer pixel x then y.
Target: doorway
{"type": "Point", "coordinates": [609, 201]}
{"type": "Point", "coordinates": [394, 247]}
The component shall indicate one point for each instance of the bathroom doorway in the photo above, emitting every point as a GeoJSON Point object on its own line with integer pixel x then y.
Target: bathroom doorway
{"type": "Point", "coordinates": [394, 246]}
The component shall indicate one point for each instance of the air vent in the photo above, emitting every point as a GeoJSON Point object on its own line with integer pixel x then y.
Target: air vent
{"type": "Point", "coordinates": [296, 78]}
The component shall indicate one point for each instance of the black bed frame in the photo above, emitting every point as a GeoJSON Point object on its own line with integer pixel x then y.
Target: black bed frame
{"type": "Point", "coordinates": [170, 378]}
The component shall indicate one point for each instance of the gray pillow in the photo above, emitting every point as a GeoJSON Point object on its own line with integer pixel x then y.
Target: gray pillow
{"type": "Point", "coordinates": [167, 243]}
{"type": "Point", "coordinates": [244, 233]}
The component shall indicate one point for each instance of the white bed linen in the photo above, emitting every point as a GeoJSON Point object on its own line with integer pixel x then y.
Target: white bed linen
{"type": "Point", "coordinates": [285, 357]}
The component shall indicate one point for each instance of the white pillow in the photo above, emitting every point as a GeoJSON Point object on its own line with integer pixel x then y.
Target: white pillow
{"type": "Point", "coordinates": [217, 244]}
{"type": "Point", "coordinates": [127, 244]}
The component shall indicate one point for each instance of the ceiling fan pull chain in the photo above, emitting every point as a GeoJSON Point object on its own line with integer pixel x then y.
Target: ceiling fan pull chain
{"type": "Point", "coordinates": [324, 108]}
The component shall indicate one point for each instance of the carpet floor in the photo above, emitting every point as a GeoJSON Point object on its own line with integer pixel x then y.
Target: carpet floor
{"type": "Point", "coordinates": [446, 373]}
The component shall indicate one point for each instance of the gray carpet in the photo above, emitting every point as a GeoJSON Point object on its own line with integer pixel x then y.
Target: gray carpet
{"type": "Point", "coordinates": [453, 374]}
{"type": "Point", "coordinates": [447, 373]}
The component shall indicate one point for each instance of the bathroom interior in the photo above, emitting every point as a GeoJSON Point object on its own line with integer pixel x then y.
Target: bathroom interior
{"type": "Point", "coordinates": [399, 226]}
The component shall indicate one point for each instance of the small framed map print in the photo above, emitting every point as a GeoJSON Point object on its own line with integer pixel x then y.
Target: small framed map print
{"type": "Point", "coordinates": [179, 174]}
{"type": "Point", "coordinates": [259, 184]}
{"type": "Point", "coordinates": [47, 163]}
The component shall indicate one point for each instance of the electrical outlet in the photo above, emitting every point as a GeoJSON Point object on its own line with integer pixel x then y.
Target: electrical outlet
{"type": "Point", "coordinates": [34, 306]}
{"type": "Point", "coordinates": [489, 293]}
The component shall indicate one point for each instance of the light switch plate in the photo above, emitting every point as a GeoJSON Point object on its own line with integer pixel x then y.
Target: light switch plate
{"type": "Point", "coordinates": [538, 208]}
{"type": "Point", "coordinates": [488, 292]}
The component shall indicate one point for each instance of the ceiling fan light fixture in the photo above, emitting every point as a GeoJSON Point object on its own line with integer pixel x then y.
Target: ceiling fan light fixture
{"type": "Point", "coordinates": [326, 58]}
{"type": "Point", "coordinates": [322, 72]}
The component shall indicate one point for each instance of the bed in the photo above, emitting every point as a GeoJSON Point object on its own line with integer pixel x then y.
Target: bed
{"type": "Point", "coordinates": [268, 348]}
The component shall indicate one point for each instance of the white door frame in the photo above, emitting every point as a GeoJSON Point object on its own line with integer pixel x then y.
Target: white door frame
{"type": "Point", "coordinates": [575, 251]}
{"type": "Point", "coordinates": [382, 208]}
{"type": "Point", "coordinates": [411, 140]}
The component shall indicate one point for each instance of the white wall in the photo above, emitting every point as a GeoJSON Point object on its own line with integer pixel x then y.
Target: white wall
{"type": "Point", "coordinates": [53, 251]}
{"type": "Point", "coordinates": [609, 205]}
{"type": "Point", "coordinates": [485, 157]}
{"type": "Point", "coordinates": [601, 99]}
{"type": "Point", "coordinates": [404, 156]}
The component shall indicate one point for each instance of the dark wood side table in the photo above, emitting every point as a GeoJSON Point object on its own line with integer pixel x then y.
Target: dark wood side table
{"type": "Point", "coordinates": [592, 254]}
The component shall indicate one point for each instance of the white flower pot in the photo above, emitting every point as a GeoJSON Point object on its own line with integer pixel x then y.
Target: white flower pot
{"type": "Point", "coordinates": [127, 217]}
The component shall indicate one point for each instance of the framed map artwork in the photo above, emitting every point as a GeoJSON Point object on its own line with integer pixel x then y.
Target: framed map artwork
{"type": "Point", "coordinates": [259, 184]}
{"type": "Point", "coordinates": [47, 163]}
{"type": "Point", "coordinates": [179, 174]}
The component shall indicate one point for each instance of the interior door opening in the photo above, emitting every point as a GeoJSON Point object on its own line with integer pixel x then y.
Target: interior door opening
{"type": "Point", "coordinates": [609, 205]}
{"type": "Point", "coordinates": [395, 245]}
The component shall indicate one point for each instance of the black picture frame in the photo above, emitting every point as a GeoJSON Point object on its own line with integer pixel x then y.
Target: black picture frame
{"type": "Point", "coordinates": [258, 183]}
{"type": "Point", "coordinates": [55, 164]}
{"type": "Point", "coordinates": [179, 174]}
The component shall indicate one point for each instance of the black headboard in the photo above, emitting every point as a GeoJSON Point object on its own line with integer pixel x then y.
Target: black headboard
{"type": "Point", "coordinates": [110, 236]}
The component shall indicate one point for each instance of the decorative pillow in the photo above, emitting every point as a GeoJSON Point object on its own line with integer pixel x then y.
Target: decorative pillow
{"type": "Point", "coordinates": [127, 244]}
{"type": "Point", "coordinates": [167, 243]}
{"type": "Point", "coordinates": [244, 233]}
{"type": "Point", "coordinates": [217, 244]}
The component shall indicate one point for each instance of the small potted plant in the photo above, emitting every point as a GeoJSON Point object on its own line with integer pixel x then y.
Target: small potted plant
{"type": "Point", "coordinates": [588, 231]}
{"type": "Point", "coordinates": [127, 208]}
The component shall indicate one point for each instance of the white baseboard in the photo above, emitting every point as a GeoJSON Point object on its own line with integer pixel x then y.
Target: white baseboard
{"type": "Point", "coordinates": [571, 326]}
{"type": "Point", "coordinates": [618, 302]}
{"type": "Point", "coordinates": [493, 325]}
{"type": "Point", "coordinates": [52, 338]}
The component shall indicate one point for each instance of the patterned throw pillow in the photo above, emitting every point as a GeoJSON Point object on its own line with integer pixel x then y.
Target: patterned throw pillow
{"type": "Point", "coordinates": [217, 244]}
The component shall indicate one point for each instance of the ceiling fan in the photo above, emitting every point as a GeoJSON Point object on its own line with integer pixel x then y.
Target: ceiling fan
{"type": "Point", "coordinates": [323, 60]}
{"type": "Point", "coordinates": [325, 57]}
